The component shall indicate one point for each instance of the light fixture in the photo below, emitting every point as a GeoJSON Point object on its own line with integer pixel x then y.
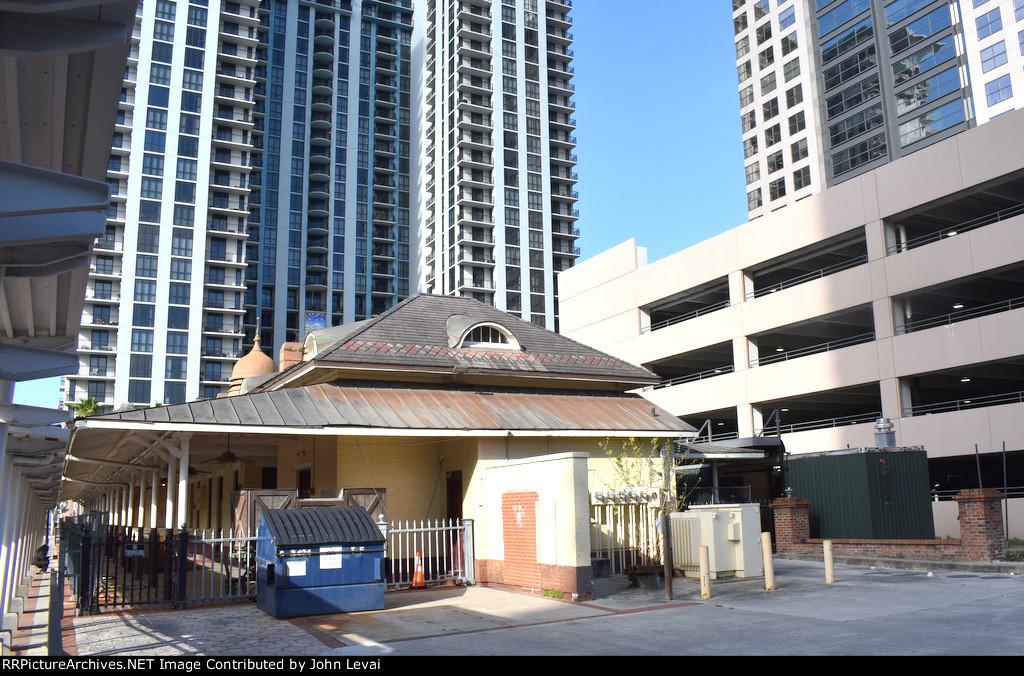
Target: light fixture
{"type": "Point", "coordinates": [951, 234]}
{"type": "Point", "coordinates": [785, 410]}
{"type": "Point", "coordinates": [958, 306]}
{"type": "Point", "coordinates": [965, 379]}
{"type": "Point", "coordinates": [780, 349]}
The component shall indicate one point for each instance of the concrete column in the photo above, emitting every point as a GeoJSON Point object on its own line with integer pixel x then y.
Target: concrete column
{"type": "Point", "coordinates": [140, 515]}
{"type": "Point", "coordinates": [183, 501]}
{"type": "Point", "coordinates": [130, 511]}
{"type": "Point", "coordinates": [153, 497]}
{"type": "Point", "coordinates": [172, 479]}
{"type": "Point", "coordinates": [12, 517]}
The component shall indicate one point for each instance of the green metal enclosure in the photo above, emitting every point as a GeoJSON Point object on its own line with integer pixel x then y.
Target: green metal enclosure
{"type": "Point", "coordinates": [866, 493]}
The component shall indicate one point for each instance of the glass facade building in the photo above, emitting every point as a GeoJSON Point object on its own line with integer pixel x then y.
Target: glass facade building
{"type": "Point", "coordinates": [330, 221]}
{"type": "Point", "coordinates": [887, 78]}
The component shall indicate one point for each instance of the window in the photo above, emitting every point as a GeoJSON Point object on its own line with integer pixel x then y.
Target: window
{"type": "Point", "coordinates": [859, 154]}
{"type": "Point", "coordinates": [142, 340]}
{"type": "Point", "coordinates": [139, 391]}
{"type": "Point", "coordinates": [840, 15]}
{"type": "Point", "coordinates": [177, 318]}
{"type": "Point", "coordinates": [750, 147]}
{"type": "Point", "coordinates": [998, 90]}
{"type": "Point", "coordinates": [799, 150]}
{"type": "Point", "coordinates": [777, 189]}
{"type": "Point", "coordinates": [748, 121]}
{"type": "Point", "coordinates": [989, 23]}
{"type": "Point", "coordinates": [791, 70]}
{"type": "Point", "coordinates": [932, 122]}
{"type": "Point", "coordinates": [746, 96]}
{"type": "Point", "coordinates": [855, 125]}
{"type": "Point", "coordinates": [744, 71]}
{"type": "Point", "coordinates": [764, 32]}
{"type": "Point", "coordinates": [797, 123]}
{"type": "Point", "coordinates": [919, 30]}
{"type": "Point", "coordinates": [993, 57]}
{"type": "Point", "coordinates": [794, 96]}
{"type": "Point", "coordinates": [177, 343]}
{"type": "Point", "coordinates": [771, 109]}
{"type": "Point", "coordinates": [772, 135]}
{"type": "Point", "coordinates": [787, 17]}
{"type": "Point", "coordinates": [766, 58]}
{"type": "Point", "coordinates": [140, 366]}
{"type": "Point", "coordinates": [753, 173]}
{"type": "Point", "coordinates": [176, 368]}
{"type": "Point", "coordinates": [754, 199]}
{"type": "Point", "coordinates": [490, 336]}
{"type": "Point", "coordinates": [789, 43]}
{"type": "Point", "coordinates": [742, 47]}
{"type": "Point", "coordinates": [768, 83]}
{"type": "Point", "coordinates": [801, 178]}
{"type": "Point", "coordinates": [775, 162]}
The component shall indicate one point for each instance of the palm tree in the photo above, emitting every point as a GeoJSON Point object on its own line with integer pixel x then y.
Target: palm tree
{"type": "Point", "coordinates": [85, 407]}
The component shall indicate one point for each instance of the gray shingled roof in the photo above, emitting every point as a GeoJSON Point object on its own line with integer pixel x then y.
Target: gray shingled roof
{"type": "Point", "coordinates": [416, 334]}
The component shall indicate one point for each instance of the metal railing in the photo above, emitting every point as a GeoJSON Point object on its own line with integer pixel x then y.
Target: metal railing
{"type": "Point", "coordinates": [964, 404]}
{"type": "Point", "coordinates": [824, 423]}
{"type": "Point", "coordinates": [813, 349]}
{"type": "Point", "coordinates": [693, 377]}
{"type": "Point", "coordinates": [952, 231]}
{"type": "Point", "coordinates": [714, 307]}
{"type": "Point", "coordinates": [430, 552]}
{"type": "Point", "coordinates": [718, 495]}
{"type": "Point", "coordinates": [961, 315]}
{"type": "Point", "coordinates": [810, 276]}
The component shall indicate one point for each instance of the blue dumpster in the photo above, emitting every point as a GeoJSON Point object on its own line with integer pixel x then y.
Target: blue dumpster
{"type": "Point", "coordinates": [318, 560]}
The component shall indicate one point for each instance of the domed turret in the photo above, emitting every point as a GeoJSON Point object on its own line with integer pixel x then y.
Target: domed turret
{"type": "Point", "coordinates": [255, 363]}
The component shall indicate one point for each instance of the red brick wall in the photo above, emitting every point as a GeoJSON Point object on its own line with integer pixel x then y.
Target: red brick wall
{"type": "Point", "coordinates": [981, 531]}
{"type": "Point", "coordinates": [519, 524]}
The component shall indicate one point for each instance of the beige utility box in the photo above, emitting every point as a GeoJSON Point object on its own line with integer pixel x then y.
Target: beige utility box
{"type": "Point", "coordinates": [732, 534]}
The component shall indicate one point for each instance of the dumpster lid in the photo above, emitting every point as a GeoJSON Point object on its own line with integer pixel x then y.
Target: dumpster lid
{"type": "Point", "coordinates": [310, 526]}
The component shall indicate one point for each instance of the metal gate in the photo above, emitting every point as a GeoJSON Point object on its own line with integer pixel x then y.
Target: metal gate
{"type": "Point", "coordinates": [428, 553]}
{"type": "Point", "coordinates": [115, 567]}
{"type": "Point", "coordinates": [624, 531]}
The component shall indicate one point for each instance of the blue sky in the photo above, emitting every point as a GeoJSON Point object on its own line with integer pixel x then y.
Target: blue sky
{"type": "Point", "coordinates": [660, 157]}
{"type": "Point", "coordinates": [658, 128]}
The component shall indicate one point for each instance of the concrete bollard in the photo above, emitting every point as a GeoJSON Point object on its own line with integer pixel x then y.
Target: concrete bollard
{"type": "Point", "coordinates": [705, 574]}
{"type": "Point", "coordinates": [830, 576]}
{"type": "Point", "coordinates": [766, 554]}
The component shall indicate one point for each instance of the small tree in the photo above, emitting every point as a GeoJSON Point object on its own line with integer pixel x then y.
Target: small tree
{"type": "Point", "coordinates": [86, 407]}
{"type": "Point", "coordinates": [646, 464]}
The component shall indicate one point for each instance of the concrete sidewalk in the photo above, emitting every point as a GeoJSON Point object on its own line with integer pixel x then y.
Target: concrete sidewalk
{"type": "Point", "coordinates": [870, 609]}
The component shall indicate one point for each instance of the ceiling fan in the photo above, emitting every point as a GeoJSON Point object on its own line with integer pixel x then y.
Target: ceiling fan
{"type": "Point", "coordinates": [227, 457]}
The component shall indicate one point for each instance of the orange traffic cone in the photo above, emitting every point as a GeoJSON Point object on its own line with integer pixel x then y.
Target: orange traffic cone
{"type": "Point", "coordinates": [417, 578]}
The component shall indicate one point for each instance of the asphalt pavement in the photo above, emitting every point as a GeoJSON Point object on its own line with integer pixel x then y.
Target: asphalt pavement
{"type": "Point", "coordinates": [875, 608]}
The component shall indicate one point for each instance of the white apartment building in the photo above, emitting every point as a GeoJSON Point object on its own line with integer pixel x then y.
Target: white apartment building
{"type": "Point", "coordinates": [831, 89]}
{"type": "Point", "coordinates": [164, 302]}
{"type": "Point", "coordinates": [898, 293]}
{"type": "Point", "coordinates": [499, 214]}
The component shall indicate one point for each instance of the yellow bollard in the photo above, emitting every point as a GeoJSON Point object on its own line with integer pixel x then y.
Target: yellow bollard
{"type": "Point", "coordinates": [830, 576]}
{"type": "Point", "coordinates": [766, 554]}
{"type": "Point", "coordinates": [705, 574]}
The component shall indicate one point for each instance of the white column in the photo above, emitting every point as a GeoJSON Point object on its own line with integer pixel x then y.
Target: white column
{"type": "Point", "coordinates": [171, 483]}
{"type": "Point", "coordinates": [183, 483]}
{"type": "Point", "coordinates": [153, 497]}
{"type": "Point", "coordinates": [140, 516]}
{"type": "Point", "coordinates": [130, 511]}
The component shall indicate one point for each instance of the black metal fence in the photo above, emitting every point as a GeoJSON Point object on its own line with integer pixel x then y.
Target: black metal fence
{"type": "Point", "coordinates": [114, 566]}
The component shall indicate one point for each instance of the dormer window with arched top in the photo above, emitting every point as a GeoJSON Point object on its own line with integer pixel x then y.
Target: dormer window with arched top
{"type": "Point", "coordinates": [489, 336]}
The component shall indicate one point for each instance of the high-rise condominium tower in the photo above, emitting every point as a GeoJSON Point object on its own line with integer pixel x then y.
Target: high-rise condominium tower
{"type": "Point", "coordinates": [830, 89]}
{"type": "Point", "coordinates": [330, 219]}
{"type": "Point", "coordinates": [297, 164]}
{"type": "Point", "coordinates": [500, 218]}
{"type": "Point", "coordinates": [163, 313]}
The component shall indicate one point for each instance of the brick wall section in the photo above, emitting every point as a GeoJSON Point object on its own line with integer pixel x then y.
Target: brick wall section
{"type": "Point", "coordinates": [981, 524]}
{"type": "Point", "coordinates": [519, 527]}
{"type": "Point", "coordinates": [981, 533]}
